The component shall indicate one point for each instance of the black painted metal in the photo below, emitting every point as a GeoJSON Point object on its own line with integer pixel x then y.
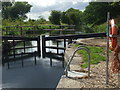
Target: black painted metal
{"type": "Point", "coordinates": [44, 39]}
{"type": "Point", "coordinates": [63, 60]}
{"type": "Point", "coordinates": [69, 37]}
{"type": "Point", "coordinates": [52, 47]}
{"type": "Point", "coordinates": [50, 59]}
{"type": "Point", "coordinates": [22, 59]}
{"type": "Point", "coordinates": [19, 38]}
{"type": "Point", "coordinates": [35, 58]}
{"type": "Point", "coordinates": [24, 46]}
{"type": "Point", "coordinates": [14, 48]}
{"type": "Point", "coordinates": [57, 46]}
{"type": "Point", "coordinates": [38, 45]}
{"type": "Point", "coordinates": [43, 46]}
{"type": "Point", "coordinates": [8, 62]}
{"type": "Point", "coordinates": [90, 35]}
{"type": "Point", "coordinates": [21, 31]}
{"type": "Point", "coordinates": [65, 43]}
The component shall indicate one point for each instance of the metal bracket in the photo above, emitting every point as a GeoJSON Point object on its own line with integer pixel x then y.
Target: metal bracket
{"type": "Point", "coordinates": [112, 36]}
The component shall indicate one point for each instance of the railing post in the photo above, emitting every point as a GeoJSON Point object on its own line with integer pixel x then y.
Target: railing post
{"type": "Point", "coordinates": [64, 44]}
{"type": "Point", "coordinates": [50, 30]}
{"type": "Point", "coordinates": [24, 46]}
{"type": "Point", "coordinates": [50, 59]}
{"type": "Point", "coordinates": [14, 47]}
{"type": "Point", "coordinates": [38, 45]}
{"type": "Point", "coordinates": [63, 60]}
{"type": "Point", "coordinates": [43, 46]}
{"type": "Point", "coordinates": [35, 58]}
{"type": "Point", "coordinates": [21, 31]}
{"type": "Point", "coordinates": [7, 57]}
{"type": "Point", "coordinates": [22, 59]}
{"type": "Point", "coordinates": [57, 47]}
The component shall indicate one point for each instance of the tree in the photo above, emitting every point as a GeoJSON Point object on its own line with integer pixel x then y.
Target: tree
{"type": "Point", "coordinates": [55, 17]}
{"type": "Point", "coordinates": [64, 18]}
{"type": "Point", "coordinates": [15, 10]}
{"type": "Point", "coordinates": [96, 13]}
{"type": "Point", "coordinates": [6, 9]}
{"type": "Point", "coordinates": [41, 19]}
{"type": "Point", "coordinates": [115, 9]}
{"type": "Point", "coordinates": [71, 16]}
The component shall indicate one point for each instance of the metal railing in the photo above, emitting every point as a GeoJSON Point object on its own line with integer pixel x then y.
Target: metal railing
{"type": "Point", "coordinates": [79, 48]}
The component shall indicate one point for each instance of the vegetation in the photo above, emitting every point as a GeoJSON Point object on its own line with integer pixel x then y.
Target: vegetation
{"type": "Point", "coordinates": [15, 10]}
{"type": "Point", "coordinates": [97, 55]}
{"type": "Point", "coordinates": [91, 20]}
{"type": "Point", "coordinates": [55, 17]}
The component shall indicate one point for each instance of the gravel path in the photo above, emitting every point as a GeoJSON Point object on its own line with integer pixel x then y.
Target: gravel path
{"type": "Point", "coordinates": [98, 72]}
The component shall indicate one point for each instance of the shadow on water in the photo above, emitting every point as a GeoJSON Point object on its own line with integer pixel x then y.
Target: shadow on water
{"type": "Point", "coordinates": [41, 75]}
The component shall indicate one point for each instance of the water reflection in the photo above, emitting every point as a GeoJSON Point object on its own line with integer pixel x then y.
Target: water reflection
{"type": "Point", "coordinates": [34, 43]}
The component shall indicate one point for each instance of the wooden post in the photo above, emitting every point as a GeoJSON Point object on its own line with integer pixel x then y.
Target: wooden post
{"type": "Point", "coordinates": [63, 60]}
{"type": "Point", "coordinates": [14, 48]}
{"type": "Point", "coordinates": [50, 30]}
{"type": "Point", "coordinates": [21, 31]}
{"type": "Point", "coordinates": [35, 58]}
{"type": "Point", "coordinates": [64, 43]}
{"type": "Point", "coordinates": [34, 30]}
{"type": "Point", "coordinates": [50, 59]}
{"type": "Point", "coordinates": [24, 45]}
{"type": "Point", "coordinates": [43, 46]}
{"type": "Point", "coordinates": [7, 57]}
{"type": "Point", "coordinates": [22, 59]}
{"type": "Point", "coordinates": [38, 45]}
{"type": "Point", "coordinates": [57, 47]}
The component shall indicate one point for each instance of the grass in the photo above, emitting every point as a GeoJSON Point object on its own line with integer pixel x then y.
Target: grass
{"type": "Point", "coordinates": [27, 30]}
{"type": "Point", "coordinates": [97, 55]}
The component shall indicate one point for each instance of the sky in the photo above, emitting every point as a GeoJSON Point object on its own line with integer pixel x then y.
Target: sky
{"type": "Point", "coordinates": [44, 7]}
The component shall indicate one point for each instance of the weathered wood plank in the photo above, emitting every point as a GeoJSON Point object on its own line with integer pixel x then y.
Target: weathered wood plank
{"type": "Point", "coordinates": [23, 47]}
{"type": "Point", "coordinates": [44, 25]}
{"type": "Point", "coordinates": [59, 29]}
{"type": "Point", "coordinates": [90, 35]}
{"type": "Point", "coordinates": [52, 47]}
{"type": "Point", "coordinates": [19, 38]}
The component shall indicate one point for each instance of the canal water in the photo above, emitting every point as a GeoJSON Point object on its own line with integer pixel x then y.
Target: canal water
{"type": "Point", "coordinates": [41, 75]}
{"type": "Point", "coordinates": [34, 43]}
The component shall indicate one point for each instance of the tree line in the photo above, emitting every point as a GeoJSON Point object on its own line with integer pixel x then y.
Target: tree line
{"type": "Point", "coordinates": [94, 14]}
{"type": "Point", "coordinates": [15, 10]}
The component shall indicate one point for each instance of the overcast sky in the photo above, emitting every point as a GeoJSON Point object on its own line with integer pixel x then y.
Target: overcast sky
{"type": "Point", "coordinates": [44, 7]}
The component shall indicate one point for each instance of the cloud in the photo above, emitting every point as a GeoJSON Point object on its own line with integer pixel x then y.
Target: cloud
{"type": "Point", "coordinates": [43, 7]}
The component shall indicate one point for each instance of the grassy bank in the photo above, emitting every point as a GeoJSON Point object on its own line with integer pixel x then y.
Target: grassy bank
{"type": "Point", "coordinates": [97, 55]}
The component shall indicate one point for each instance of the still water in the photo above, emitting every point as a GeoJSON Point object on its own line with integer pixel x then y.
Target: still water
{"type": "Point", "coordinates": [34, 43]}
{"type": "Point", "coordinates": [41, 75]}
